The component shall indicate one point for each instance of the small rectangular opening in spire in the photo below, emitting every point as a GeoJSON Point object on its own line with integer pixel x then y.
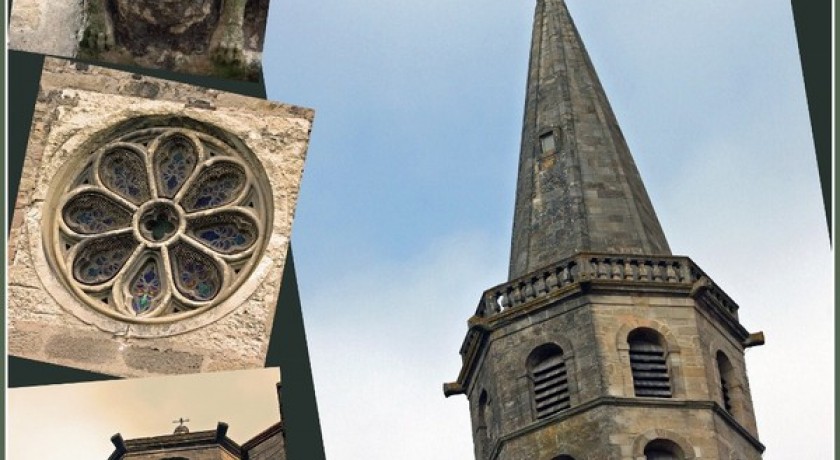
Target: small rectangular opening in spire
{"type": "Point", "coordinates": [547, 143]}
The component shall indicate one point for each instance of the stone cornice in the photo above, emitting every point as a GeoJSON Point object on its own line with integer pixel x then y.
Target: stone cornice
{"type": "Point", "coordinates": [650, 403]}
{"type": "Point", "coordinates": [591, 273]}
{"type": "Point", "coordinates": [171, 442]}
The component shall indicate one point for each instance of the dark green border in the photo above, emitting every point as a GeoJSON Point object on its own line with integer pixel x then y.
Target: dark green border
{"type": "Point", "coordinates": [813, 32]}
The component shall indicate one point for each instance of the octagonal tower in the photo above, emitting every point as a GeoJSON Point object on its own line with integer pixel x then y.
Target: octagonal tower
{"type": "Point", "coordinates": [602, 345]}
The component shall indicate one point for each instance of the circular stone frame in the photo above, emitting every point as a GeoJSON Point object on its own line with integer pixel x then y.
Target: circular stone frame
{"type": "Point", "coordinates": [187, 209]}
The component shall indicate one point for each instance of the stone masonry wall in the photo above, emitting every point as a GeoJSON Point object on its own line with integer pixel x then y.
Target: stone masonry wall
{"type": "Point", "coordinates": [272, 448]}
{"type": "Point", "coordinates": [592, 330]}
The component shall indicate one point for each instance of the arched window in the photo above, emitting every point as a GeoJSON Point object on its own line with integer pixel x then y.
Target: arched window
{"type": "Point", "coordinates": [547, 369]}
{"type": "Point", "coordinates": [663, 449]}
{"type": "Point", "coordinates": [649, 364]}
{"type": "Point", "coordinates": [727, 380]}
{"type": "Point", "coordinates": [563, 457]}
{"type": "Point", "coordinates": [481, 424]}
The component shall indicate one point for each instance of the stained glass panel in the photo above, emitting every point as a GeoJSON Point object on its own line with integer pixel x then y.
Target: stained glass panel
{"type": "Point", "coordinates": [145, 287]}
{"type": "Point", "coordinates": [175, 160]}
{"type": "Point", "coordinates": [92, 212]}
{"type": "Point", "coordinates": [195, 274]}
{"type": "Point", "coordinates": [228, 232]}
{"type": "Point", "coordinates": [124, 172]}
{"type": "Point", "coordinates": [101, 259]}
{"type": "Point", "coordinates": [217, 185]}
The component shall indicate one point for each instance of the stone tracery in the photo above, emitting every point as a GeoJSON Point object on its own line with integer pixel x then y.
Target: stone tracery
{"type": "Point", "coordinates": [158, 224]}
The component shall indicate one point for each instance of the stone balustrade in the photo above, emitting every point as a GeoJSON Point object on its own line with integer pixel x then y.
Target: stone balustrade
{"type": "Point", "coordinates": [610, 268]}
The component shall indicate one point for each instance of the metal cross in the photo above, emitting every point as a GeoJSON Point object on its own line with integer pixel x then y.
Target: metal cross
{"type": "Point", "coordinates": [181, 421]}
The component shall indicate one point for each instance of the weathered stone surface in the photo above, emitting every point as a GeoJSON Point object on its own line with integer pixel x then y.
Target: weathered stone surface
{"type": "Point", "coordinates": [586, 194]}
{"type": "Point", "coordinates": [77, 347]}
{"type": "Point", "coordinates": [44, 26]}
{"type": "Point", "coordinates": [206, 37]}
{"type": "Point", "coordinates": [270, 447]}
{"type": "Point", "coordinates": [77, 104]}
{"type": "Point", "coordinates": [157, 361]}
{"type": "Point", "coordinates": [175, 15]}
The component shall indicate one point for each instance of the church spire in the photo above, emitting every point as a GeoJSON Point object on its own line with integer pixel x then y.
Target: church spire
{"type": "Point", "coordinates": [578, 188]}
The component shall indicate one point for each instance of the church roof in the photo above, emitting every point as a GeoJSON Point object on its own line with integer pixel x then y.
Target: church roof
{"type": "Point", "coordinates": [578, 188]}
{"type": "Point", "coordinates": [176, 441]}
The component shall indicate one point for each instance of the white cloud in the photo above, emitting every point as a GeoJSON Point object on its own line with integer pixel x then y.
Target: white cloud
{"type": "Point", "coordinates": [390, 341]}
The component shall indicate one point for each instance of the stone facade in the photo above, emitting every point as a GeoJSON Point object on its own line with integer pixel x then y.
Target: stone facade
{"type": "Point", "coordinates": [602, 345]}
{"type": "Point", "coordinates": [202, 445]}
{"type": "Point", "coordinates": [208, 37]}
{"type": "Point", "coordinates": [79, 105]}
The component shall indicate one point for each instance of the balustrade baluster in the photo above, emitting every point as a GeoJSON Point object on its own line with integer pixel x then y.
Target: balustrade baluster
{"type": "Point", "coordinates": [516, 296]}
{"type": "Point", "coordinates": [603, 269]}
{"type": "Point", "coordinates": [617, 270]}
{"type": "Point", "coordinates": [644, 271]}
{"type": "Point", "coordinates": [528, 290]}
{"type": "Point", "coordinates": [628, 270]}
{"type": "Point", "coordinates": [551, 281]}
{"type": "Point", "coordinates": [686, 273]}
{"type": "Point", "coordinates": [539, 284]}
{"type": "Point", "coordinates": [657, 271]}
{"type": "Point", "coordinates": [575, 273]}
{"type": "Point", "coordinates": [489, 307]}
{"type": "Point", "coordinates": [670, 273]}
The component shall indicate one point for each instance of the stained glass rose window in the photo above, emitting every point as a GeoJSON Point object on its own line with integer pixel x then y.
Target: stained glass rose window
{"type": "Point", "coordinates": [160, 224]}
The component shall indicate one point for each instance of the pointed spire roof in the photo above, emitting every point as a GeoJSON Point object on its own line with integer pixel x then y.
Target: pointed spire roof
{"type": "Point", "coordinates": [578, 188]}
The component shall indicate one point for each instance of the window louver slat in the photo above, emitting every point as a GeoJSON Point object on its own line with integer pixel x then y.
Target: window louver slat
{"type": "Point", "coordinates": [554, 406]}
{"type": "Point", "coordinates": [551, 385]}
{"type": "Point", "coordinates": [550, 373]}
{"type": "Point", "coordinates": [650, 370]}
{"type": "Point", "coordinates": [727, 403]}
{"type": "Point", "coordinates": [554, 400]}
{"type": "Point", "coordinates": [558, 383]}
{"type": "Point", "coordinates": [548, 363]}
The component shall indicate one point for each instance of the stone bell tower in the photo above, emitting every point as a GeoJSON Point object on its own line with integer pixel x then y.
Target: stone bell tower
{"type": "Point", "coordinates": [602, 345]}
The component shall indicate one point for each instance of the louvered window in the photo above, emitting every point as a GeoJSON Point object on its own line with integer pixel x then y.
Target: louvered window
{"type": "Point", "coordinates": [725, 371]}
{"type": "Point", "coordinates": [482, 435]}
{"type": "Point", "coordinates": [649, 365]}
{"type": "Point", "coordinates": [727, 404]}
{"type": "Point", "coordinates": [550, 380]}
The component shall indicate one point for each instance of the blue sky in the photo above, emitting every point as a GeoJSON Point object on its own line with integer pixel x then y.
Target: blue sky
{"type": "Point", "coordinates": [405, 210]}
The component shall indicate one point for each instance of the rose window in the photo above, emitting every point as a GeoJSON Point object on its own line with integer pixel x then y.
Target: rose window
{"type": "Point", "coordinates": [160, 224]}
